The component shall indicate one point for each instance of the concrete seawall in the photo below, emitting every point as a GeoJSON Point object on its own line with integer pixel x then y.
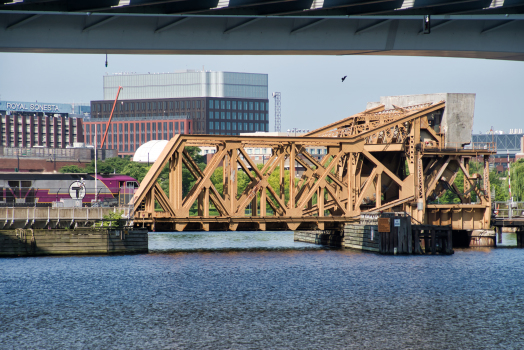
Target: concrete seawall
{"type": "Point", "coordinates": [33, 242]}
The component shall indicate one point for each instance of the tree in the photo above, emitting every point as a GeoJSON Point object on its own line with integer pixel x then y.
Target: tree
{"type": "Point", "coordinates": [71, 169]}
{"type": "Point", "coordinates": [517, 180]}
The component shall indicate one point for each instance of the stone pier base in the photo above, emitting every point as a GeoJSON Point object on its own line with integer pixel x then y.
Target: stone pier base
{"type": "Point", "coordinates": [329, 238]}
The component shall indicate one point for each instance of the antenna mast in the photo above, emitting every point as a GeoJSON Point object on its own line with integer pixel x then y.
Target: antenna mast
{"type": "Point", "coordinates": [278, 118]}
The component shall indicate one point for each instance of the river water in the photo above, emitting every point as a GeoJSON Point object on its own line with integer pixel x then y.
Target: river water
{"type": "Point", "coordinates": [248, 290]}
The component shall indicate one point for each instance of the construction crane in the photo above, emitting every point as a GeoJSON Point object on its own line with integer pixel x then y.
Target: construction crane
{"type": "Point", "coordinates": [110, 117]}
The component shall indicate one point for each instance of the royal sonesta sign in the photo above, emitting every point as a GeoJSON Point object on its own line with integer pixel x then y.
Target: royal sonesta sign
{"type": "Point", "coordinates": [34, 107]}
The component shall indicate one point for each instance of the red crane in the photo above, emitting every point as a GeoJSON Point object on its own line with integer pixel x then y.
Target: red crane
{"type": "Point", "coordinates": [110, 117]}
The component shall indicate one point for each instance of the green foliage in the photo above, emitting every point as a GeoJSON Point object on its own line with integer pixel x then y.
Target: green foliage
{"type": "Point", "coordinates": [112, 220]}
{"type": "Point", "coordinates": [517, 180]}
{"type": "Point", "coordinates": [71, 169]}
{"type": "Point", "coordinates": [136, 170]}
{"type": "Point", "coordinates": [496, 183]}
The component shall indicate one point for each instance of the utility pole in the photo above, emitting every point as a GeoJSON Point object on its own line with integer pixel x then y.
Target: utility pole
{"type": "Point", "coordinates": [277, 97]}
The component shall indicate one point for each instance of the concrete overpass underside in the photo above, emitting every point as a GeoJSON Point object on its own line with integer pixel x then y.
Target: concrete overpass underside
{"type": "Point", "coordinates": [491, 29]}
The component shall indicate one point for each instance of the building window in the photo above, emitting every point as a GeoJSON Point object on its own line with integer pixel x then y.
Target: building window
{"type": "Point", "coordinates": [234, 126]}
{"type": "Point", "coordinates": [256, 127]}
{"type": "Point", "coordinates": [223, 114]}
{"type": "Point", "coordinates": [171, 105]}
{"type": "Point", "coordinates": [228, 115]}
{"type": "Point", "coordinates": [256, 116]}
{"type": "Point", "coordinates": [239, 104]}
{"type": "Point", "coordinates": [182, 129]}
{"type": "Point", "coordinates": [217, 115]}
{"type": "Point", "coordinates": [245, 126]}
{"type": "Point", "coordinates": [217, 126]}
{"type": "Point", "coordinates": [210, 125]}
{"type": "Point", "coordinates": [245, 116]}
{"type": "Point", "coordinates": [222, 104]}
{"type": "Point", "coordinates": [228, 125]}
{"type": "Point", "coordinates": [165, 130]}
{"type": "Point", "coordinates": [245, 106]}
{"type": "Point", "coordinates": [171, 130]}
{"type": "Point", "coordinates": [228, 105]}
{"type": "Point", "coordinates": [256, 106]}
{"type": "Point", "coordinates": [267, 106]}
{"type": "Point", "coordinates": [198, 103]}
{"type": "Point", "coordinates": [210, 115]}
{"type": "Point", "coordinates": [210, 103]}
{"type": "Point", "coordinates": [250, 116]}
{"type": "Point", "coordinates": [261, 106]}
{"type": "Point", "coordinates": [250, 126]}
{"type": "Point", "coordinates": [250, 106]}
{"type": "Point", "coordinates": [240, 126]}
{"type": "Point", "coordinates": [235, 115]}
{"type": "Point", "coordinates": [217, 104]}
{"type": "Point", "coordinates": [176, 128]}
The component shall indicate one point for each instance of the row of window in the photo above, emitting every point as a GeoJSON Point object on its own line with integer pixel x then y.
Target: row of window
{"type": "Point", "coordinates": [149, 106]}
{"type": "Point", "coordinates": [127, 137]}
{"type": "Point", "coordinates": [238, 126]}
{"type": "Point", "coordinates": [245, 105]}
{"type": "Point", "coordinates": [229, 115]}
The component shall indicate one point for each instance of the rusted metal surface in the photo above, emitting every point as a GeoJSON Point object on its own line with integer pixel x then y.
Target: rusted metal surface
{"type": "Point", "coordinates": [383, 225]}
{"type": "Point", "coordinates": [377, 160]}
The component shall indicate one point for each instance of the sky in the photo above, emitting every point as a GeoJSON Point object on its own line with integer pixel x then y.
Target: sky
{"type": "Point", "coordinates": [312, 92]}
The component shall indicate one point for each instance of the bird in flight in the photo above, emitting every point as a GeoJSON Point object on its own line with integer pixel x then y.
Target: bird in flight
{"type": "Point", "coordinates": [344, 78]}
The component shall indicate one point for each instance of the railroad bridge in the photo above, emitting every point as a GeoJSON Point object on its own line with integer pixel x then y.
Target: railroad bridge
{"type": "Point", "coordinates": [400, 154]}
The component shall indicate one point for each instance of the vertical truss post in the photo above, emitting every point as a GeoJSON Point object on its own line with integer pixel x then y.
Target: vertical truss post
{"type": "Point", "coordinates": [226, 172]}
{"type": "Point", "coordinates": [205, 225]}
{"type": "Point", "coordinates": [291, 204]}
{"type": "Point", "coordinates": [175, 179]}
{"type": "Point", "coordinates": [487, 192]}
{"type": "Point", "coordinates": [232, 185]}
{"type": "Point", "coordinates": [378, 190]}
{"type": "Point", "coordinates": [282, 180]}
{"type": "Point", "coordinates": [351, 183]}
{"type": "Point", "coordinates": [254, 209]}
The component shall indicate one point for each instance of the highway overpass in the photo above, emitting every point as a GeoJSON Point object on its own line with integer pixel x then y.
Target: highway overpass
{"type": "Point", "coordinates": [492, 29]}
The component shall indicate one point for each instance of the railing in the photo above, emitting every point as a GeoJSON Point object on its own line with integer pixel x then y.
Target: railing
{"type": "Point", "coordinates": [507, 210]}
{"type": "Point", "coordinates": [457, 146]}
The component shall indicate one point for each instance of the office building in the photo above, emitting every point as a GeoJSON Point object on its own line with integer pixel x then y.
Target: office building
{"type": "Point", "coordinates": [221, 103]}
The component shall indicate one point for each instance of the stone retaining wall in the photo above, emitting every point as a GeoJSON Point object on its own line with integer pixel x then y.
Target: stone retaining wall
{"type": "Point", "coordinates": [31, 242]}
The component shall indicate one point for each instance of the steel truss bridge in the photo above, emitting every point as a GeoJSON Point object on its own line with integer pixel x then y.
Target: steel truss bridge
{"type": "Point", "coordinates": [492, 29]}
{"type": "Point", "coordinates": [376, 161]}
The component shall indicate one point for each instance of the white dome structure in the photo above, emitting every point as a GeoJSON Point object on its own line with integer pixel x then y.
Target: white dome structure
{"type": "Point", "coordinates": [149, 151]}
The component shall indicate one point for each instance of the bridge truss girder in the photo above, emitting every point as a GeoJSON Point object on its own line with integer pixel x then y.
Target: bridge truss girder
{"type": "Point", "coordinates": [375, 161]}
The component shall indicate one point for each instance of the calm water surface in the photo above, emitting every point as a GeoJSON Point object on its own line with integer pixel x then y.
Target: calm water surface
{"type": "Point", "coordinates": [262, 291]}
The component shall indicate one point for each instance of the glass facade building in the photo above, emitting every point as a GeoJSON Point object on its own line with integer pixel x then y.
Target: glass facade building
{"type": "Point", "coordinates": [218, 116]}
{"type": "Point", "coordinates": [187, 83]}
